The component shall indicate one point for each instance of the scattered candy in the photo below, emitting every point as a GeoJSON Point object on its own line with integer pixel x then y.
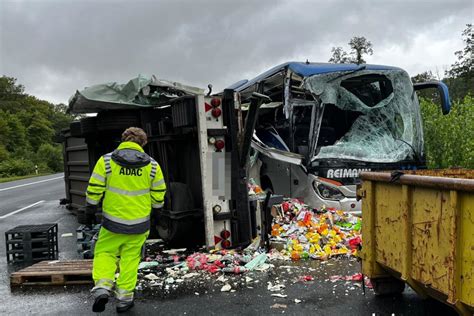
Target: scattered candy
{"type": "Point", "coordinates": [309, 233]}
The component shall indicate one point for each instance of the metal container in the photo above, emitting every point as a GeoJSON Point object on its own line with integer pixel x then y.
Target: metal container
{"type": "Point", "coordinates": [419, 228]}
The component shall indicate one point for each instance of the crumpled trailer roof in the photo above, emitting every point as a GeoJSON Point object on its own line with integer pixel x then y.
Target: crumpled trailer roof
{"type": "Point", "coordinates": [140, 92]}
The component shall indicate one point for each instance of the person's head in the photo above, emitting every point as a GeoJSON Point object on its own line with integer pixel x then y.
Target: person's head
{"type": "Point", "coordinates": [136, 135]}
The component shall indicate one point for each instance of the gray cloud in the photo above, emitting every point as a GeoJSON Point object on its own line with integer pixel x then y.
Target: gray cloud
{"type": "Point", "coordinates": [56, 47]}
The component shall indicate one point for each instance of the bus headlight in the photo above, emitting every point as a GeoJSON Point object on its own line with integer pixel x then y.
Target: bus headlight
{"type": "Point", "coordinates": [327, 192]}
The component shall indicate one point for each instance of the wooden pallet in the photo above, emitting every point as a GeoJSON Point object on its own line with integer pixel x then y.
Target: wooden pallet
{"type": "Point", "coordinates": [54, 273]}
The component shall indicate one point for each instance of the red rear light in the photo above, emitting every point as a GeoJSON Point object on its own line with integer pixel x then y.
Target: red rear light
{"type": "Point", "coordinates": [225, 244]}
{"type": "Point", "coordinates": [219, 144]}
{"type": "Point", "coordinates": [215, 102]}
{"type": "Point", "coordinates": [225, 234]}
{"type": "Point", "coordinates": [216, 112]}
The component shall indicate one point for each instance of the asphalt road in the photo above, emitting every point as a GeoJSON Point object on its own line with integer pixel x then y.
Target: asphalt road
{"type": "Point", "coordinates": [22, 193]}
{"type": "Point", "coordinates": [199, 297]}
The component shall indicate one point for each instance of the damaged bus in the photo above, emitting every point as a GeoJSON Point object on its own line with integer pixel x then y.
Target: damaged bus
{"type": "Point", "coordinates": [328, 122]}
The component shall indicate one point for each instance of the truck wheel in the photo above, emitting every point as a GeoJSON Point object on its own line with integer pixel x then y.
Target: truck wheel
{"type": "Point", "coordinates": [388, 286]}
{"type": "Point", "coordinates": [117, 120]}
{"type": "Point", "coordinates": [88, 125]}
{"type": "Point", "coordinates": [177, 232]}
{"type": "Point", "coordinates": [75, 129]}
{"type": "Point", "coordinates": [165, 228]}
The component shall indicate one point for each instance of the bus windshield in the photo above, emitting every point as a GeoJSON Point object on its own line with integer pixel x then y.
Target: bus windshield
{"type": "Point", "coordinates": [370, 116]}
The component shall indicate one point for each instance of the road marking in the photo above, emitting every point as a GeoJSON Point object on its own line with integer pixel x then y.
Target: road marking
{"type": "Point", "coordinates": [21, 209]}
{"type": "Point", "coordinates": [31, 183]}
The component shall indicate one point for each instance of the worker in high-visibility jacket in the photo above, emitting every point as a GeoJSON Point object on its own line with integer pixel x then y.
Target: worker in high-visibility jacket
{"type": "Point", "coordinates": [130, 185]}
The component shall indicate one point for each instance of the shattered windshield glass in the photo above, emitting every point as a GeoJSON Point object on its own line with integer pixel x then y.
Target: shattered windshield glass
{"type": "Point", "coordinates": [370, 116]}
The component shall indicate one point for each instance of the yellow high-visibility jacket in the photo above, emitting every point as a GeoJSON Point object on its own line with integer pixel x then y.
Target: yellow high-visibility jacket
{"type": "Point", "coordinates": [131, 184]}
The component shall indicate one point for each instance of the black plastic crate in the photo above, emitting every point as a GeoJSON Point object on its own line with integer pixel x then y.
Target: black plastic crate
{"type": "Point", "coordinates": [30, 243]}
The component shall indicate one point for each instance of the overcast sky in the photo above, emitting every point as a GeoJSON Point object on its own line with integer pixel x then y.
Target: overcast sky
{"type": "Point", "coordinates": [54, 47]}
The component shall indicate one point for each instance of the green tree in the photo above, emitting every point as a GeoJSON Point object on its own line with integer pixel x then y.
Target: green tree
{"type": "Point", "coordinates": [359, 46]}
{"type": "Point", "coordinates": [4, 154]}
{"type": "Point", "coordinates": [4, 128]}
{"type": "Point", "coordinates": [16, 137]}
{"type": "Point", "coordinates": [460, 77]}
{"type": "Point", "coordinates": [9, 89]}
{"type": "Point", "coordinates": [27, 128]}
{"type": "Point", "coordinates": [339, 56]}
{"type": "Point", "coordinates": [60, 118]}
{"type": "Point", "coordinates": [464, 66]}
{"type": "Point", "coordinates": [51, 156]}
{"type": "Point", "coordinates": [430, 94]}
{"type": "Point", "coordinates": [423, 77]}
{"type": "Point", "coordinates": [40, 132]}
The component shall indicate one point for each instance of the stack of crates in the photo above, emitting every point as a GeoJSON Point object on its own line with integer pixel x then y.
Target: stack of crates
{"type": "Point", "coordinates": [30, 243]}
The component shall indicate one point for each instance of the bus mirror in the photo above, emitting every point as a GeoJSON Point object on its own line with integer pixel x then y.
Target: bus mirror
{"type": "Point", "coordinates": [443, 93]}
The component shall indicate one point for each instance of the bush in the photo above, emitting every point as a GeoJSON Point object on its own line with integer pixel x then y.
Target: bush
{"type": "Point", "coordinates": [44, 168]}
{"type": "Point", "coordinates": [4, 154]}
{"type": "Point", "coordinates": [449, 139]}
{"type": "Point", "coordinates": [51, 157]}
{"type": "Point", "coordinates": [16, 167]}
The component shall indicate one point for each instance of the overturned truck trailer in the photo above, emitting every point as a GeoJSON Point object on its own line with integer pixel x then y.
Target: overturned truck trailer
{"type": "Point", "coordinates": [193, 137]}
{"type": "Point", "coordinates": [329, 122]}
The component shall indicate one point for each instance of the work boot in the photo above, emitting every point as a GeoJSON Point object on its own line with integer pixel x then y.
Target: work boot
{"type": "Point", "coordinates": [123, 306]}
{"type": "Point", "coordinates": [101, 297]}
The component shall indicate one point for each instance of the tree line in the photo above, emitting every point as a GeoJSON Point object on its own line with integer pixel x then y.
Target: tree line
{"type": "Point", "coordinates": [449, 139]}
{"type": "Point", "coordinates": [28, 130]}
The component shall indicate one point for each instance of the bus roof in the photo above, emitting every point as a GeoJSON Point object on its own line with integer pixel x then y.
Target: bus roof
{"type": "Point", "coordinates": [305, 70]}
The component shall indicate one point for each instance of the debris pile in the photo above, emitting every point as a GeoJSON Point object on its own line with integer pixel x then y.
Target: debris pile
{"type": "Point", "coordinates": [166, 271]}
{"type": "Point", "coordinates": [309, 233]}
{"type": "Point", "coordinates": [300, 232]}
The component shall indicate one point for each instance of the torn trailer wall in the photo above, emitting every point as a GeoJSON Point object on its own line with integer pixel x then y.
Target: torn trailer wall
{"type": "Point", "coordinates": [388, 124]}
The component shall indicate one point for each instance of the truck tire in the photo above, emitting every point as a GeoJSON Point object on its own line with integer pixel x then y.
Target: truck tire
{"type": "Point", "coordinates": [388, 286]}
{"type": "Point", "coordinates": [75, 129]}
{"type": "Point", "coordinates": [176, 233]}
{"type": "Point", "coordinates": [89, 125]}
{"type": "Point", "coordinates": [117, 120]}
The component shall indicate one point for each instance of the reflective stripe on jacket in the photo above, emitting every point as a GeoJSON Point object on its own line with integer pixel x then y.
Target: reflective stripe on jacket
{"type": "Point", "coordinates": [128, 194]}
